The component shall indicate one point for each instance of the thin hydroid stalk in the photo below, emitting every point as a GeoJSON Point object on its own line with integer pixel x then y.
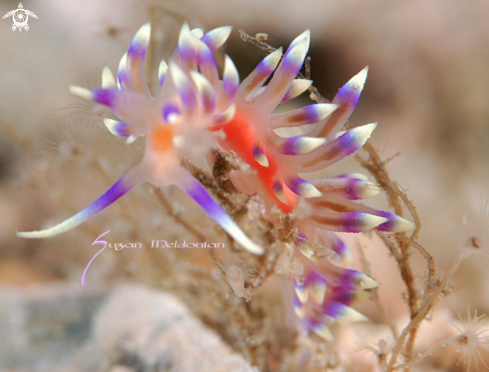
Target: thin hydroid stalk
{"type": "Point", "coordinates": [430, 351]}
{"type": "Point", "coordinates": [423, 310]}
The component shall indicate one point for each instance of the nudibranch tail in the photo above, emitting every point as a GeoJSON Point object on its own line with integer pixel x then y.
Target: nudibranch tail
{"type": "Point", "coordinates": [197, 192]}
{"type": "Point", "coordinates": [129, 180]}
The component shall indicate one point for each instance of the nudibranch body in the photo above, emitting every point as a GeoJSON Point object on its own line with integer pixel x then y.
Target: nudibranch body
{"type": "Point", "coordinates": [323, 291]}
{"type": "Point", "coordinates": [186, 119]}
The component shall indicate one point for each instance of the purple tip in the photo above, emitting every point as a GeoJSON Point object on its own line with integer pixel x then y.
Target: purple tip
{"type": "Point", "coordinates": [349, 278]}
{"type": "Point", "coordinates": [348, 94]}
{"type": "Point", "coordinates": [170, 109]}
{"type": "Point", "coordinates": [104, 96]}
{"type": "Point", "coordinates": [333, 309]}
{"type": "Point", "coordinates": [339, 246]}
{"type": "Point", "coordinates": [204, 55]}
{"type": "Point", "coordinates": [390, 224]}
{"type": "Point", "coordinates": [343, 295]}
{"type": "Point", "coordinates": [123, 130]}
{"type": "Point", "coordinates": [137, 50]}
{"type": "Point", "coordinates": [290, 145]}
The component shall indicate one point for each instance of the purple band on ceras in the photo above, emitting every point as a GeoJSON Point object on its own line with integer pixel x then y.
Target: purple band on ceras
{"type": "Point", "coordinates": [105, 96]}
{"type": "Point", "coordinates": [169, 111]}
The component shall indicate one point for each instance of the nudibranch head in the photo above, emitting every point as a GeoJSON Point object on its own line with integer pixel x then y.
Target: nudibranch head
{"type": "Point", "coordinates": [191, 100]}
{"type": "Point", "coordinates": [175, 121]}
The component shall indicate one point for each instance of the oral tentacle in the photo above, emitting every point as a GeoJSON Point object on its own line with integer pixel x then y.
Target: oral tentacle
{"type": "Point", "coordinates": [132, 178]}
{"type": "Point", "coordinates": [197, 192]}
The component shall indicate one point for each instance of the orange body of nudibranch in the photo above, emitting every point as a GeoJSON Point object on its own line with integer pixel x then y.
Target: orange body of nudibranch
{"type": "Point", "coordinates": [162, 138]}
{"type": "Point", "coordinates": [240, 136]}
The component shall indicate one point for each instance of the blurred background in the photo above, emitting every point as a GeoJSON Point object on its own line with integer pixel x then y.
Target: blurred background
{"type": "Point", "coordinates": [428, 88]}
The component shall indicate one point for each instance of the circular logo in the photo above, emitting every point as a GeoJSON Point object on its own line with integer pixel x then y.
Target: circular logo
{"type": "Point", "coordinates": [20, 18]}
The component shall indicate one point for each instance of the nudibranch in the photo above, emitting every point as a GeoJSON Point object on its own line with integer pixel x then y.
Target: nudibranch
{"type": "Point", "coordinates": [195, 110]}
